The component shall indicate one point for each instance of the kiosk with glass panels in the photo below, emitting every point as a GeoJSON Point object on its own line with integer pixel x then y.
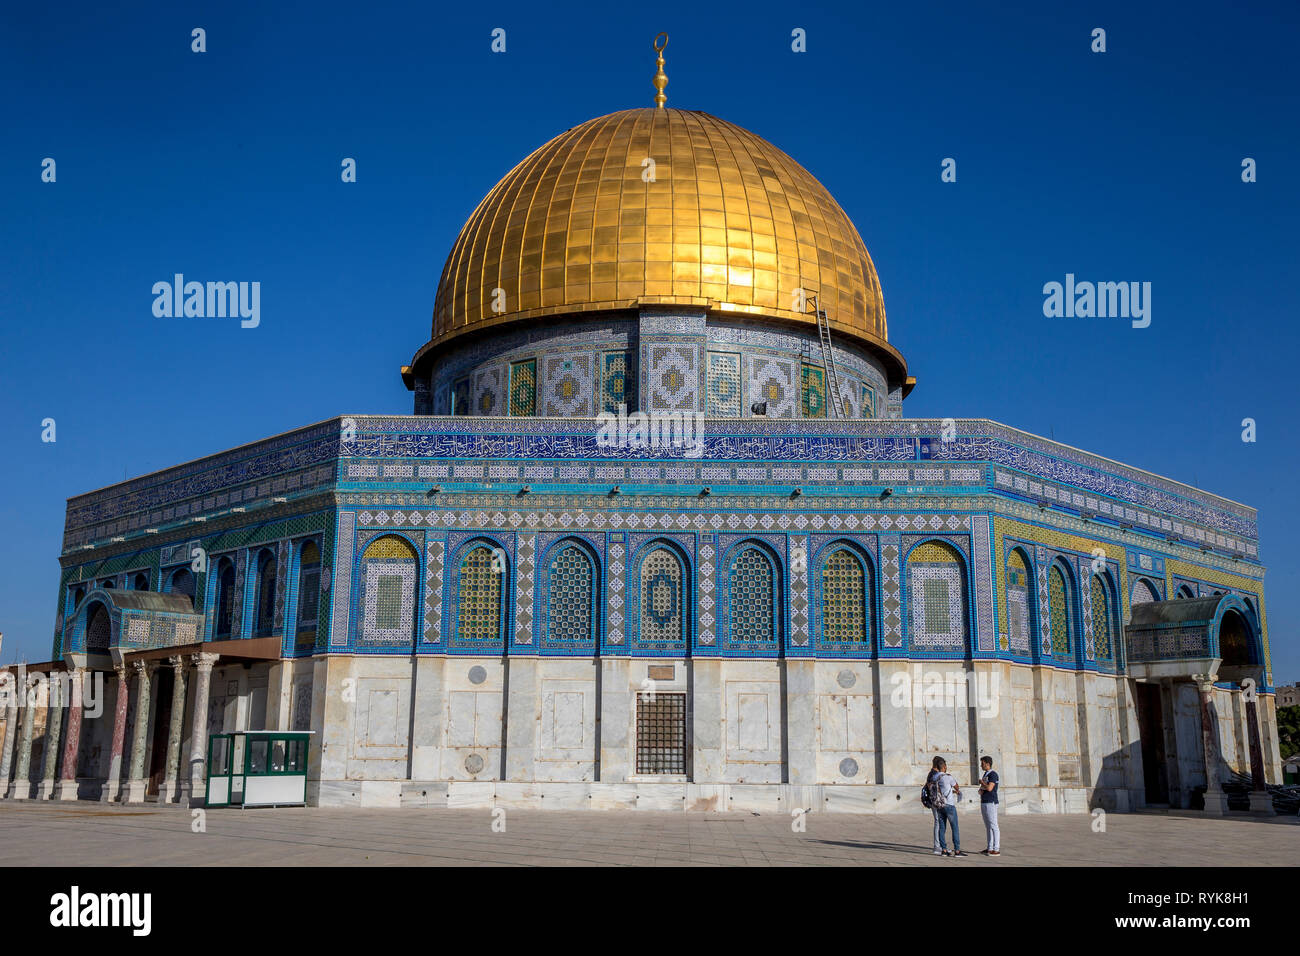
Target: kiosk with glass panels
{"type": "Point", "coordinates": [258, 768]}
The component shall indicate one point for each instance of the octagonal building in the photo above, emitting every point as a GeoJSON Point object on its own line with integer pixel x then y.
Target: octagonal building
{"type": "Point", "coordinates": [659, 535]}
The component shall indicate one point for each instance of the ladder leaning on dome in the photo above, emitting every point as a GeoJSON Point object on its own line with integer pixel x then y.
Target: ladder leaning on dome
{"type": "Point", "coordinates": [828, 357]}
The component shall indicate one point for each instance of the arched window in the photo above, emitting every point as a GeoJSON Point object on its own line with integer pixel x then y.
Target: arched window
{"type": "Point", "coordinates": [388, 577]}
{"type": "Point", "coordinates": [225, 603]}
{"type": "Point", "coordinates": [570, 596]}
{"type": "Point", "coordinates": [1234, 641]}
{"type": "Point", "coordinates": [1059, 610]}
{"type": "Point", "coordinates": [936, 593]}
{"type": "Point", "coordinates": [108, 583]}
{"type": "Point", "coordinates": [308, 586]}
{"type": "Point", "coordinates": [182, 582]}
{"type": "Point", "coordinates": [140, 582]}
{"type": "Point", "coordinates": [1185, 591]}
{"type": "Point", "coordinates": [1020, 618]}
{"type": "Point", "coordinates": [845, 581]}
{"type": "Point", "coordinates": [751, 596]}
{"type": "Point", "coordinates": [1103, 642]}
{"type": "Point", "coordinates": [480, 595]}
{"type": "Point", "coordinates": [264, 619]}
{"type": "Point", "coordinates": [661, 613]}
{"type": "Point", "coordinates": [98, 628]}
{"type": "Point", "coordinates": [78, 596]}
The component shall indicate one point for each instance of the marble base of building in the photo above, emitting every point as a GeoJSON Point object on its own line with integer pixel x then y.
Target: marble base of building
{"type": "Point", "coordinates": [695, 797]}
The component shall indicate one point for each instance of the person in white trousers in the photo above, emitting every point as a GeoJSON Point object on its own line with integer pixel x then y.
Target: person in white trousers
{"type": "Point", "coordinates": [989, 807]}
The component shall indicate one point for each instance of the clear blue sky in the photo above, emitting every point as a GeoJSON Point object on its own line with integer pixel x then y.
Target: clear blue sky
{"type": "Point", "coordinates": [225, 165]}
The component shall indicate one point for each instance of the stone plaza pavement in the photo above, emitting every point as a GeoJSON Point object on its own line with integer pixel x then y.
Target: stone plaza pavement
{"type": "Point", "coordinates": [47, 834]}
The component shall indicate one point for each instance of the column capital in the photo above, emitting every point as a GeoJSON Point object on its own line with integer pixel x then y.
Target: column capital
{"type": "Point", "coordinates": [204, 661]}
{"type": "Point", "coordinates": [144, 668]}
{"type": "Point", "coordinates": [1205, 682]}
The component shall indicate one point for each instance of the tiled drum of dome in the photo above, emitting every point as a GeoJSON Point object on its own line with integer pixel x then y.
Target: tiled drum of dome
{"type": "Point", "coordinates": [1058, 612]}
{"type": "Point", "coordinates": [569, 596]}
{"type": "Point", "coordinates": [724, 385]}
{"type": "Point", "coordinates": [1017, 604]}
{"type": "Point", "coordinates": [479, 597]}
{"type": "Point", "coordinates": [844, 599]}
{"type": "Point", "coordinates": [936, 613]}
{"type": "Point", "coordinates": [661, 592]}
{"type": "Point", "coordinates": [749, 581]}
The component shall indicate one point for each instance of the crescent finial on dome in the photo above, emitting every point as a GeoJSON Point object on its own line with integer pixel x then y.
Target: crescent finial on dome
{"type": "Point", "coordinates": [661, 78]}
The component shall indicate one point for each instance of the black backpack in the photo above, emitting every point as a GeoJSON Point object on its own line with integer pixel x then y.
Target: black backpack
{"type": "Point", "coordinates": [925, 793]}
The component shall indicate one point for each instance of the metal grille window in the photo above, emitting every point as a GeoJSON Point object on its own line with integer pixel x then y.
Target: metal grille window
{"type": "Point", "coordinates": [937, 619]}
{"type": "Point", "coordinates": [661, 733]}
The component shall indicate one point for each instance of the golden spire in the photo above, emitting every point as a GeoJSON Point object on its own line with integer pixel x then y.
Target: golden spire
{"type": "Point", "coordinates": [661, 78]}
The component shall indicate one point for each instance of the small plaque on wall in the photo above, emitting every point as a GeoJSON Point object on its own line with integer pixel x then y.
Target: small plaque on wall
{"type": "Point", "coordinates": [662, 671]}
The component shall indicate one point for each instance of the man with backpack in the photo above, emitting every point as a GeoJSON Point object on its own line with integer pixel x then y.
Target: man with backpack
{"type": "Point", "coordinates": [927, 800]}
{"type": "Point", "coordinates": [941, 795]}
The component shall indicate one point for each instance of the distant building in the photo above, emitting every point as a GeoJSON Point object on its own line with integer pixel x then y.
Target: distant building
{"type": "Point", "coordinates": [1288, 696]}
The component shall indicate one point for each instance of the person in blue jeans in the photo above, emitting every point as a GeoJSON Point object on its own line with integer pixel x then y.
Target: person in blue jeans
{"type": "Point", "coordinates": [934, 811]}
{"type": "Point", "coordinates": [950, 793]}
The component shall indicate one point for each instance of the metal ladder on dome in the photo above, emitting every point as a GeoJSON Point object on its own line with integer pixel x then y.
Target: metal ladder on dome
{"type": "Point", "coordinates": [828, 358]}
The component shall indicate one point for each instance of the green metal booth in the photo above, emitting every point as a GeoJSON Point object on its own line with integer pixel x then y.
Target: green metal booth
{"type": "Point", "coordinates": [258, 768]}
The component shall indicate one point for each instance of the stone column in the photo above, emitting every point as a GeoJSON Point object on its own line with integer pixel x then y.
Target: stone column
{"type": "Point", "coordinates": [1260, 801]}
{"type": "Point", "coordinates": [67, 789]}
{"type": "Point", "coordinates": [1216, 801]}
{"type": "Point", "coordinates": [21, 789]}
{"type": "Point", "coordinates": [11, 694]}
{"type": "Point", "coordinates": [113, 785]}
{"type": "Point", "coordinates": [171, 785]}
{"type": "Point", "coordinates": [55, 699]}
{"type": "Point", "coordinates": [136, 785]}
{"type": "Point", "coordinates": [198, 775]}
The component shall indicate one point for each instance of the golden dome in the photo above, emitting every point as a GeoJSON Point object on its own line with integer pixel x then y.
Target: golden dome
{"type": "Point", "coordinates": [728, 222]}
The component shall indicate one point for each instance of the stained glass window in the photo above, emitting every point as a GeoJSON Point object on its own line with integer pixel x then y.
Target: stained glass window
{"type": "Point", "coordinates": [661, 597]}
{"type": "Point", "coordinates": [936, 597]}
{"type": "Point", "coordinates": [753, 611]}
{"type": "Point", "coordinates": [1101, 642]}
{"type": "Point", "coordinates": [225, 597]}
{"type": "Point", "coordinates": [1018, 607]}
{"type": "Point", "coordinates": [388, 568]}
{"type": "Point", "coordinates": [182, 582]}
{"type": "Point", "coordinates": [868, 402]}
{"type": "Point", "coordinates": [844, 598]}
{"type": "Point", "coordinates": [814, 392]}
{"type": "Point", "coordinates": [523, 388]}
{"type": "Point", "coordinates": [616, 381]}
{"type": "Point", "coordinates": [265, 604]}
{"type": "Point", "coordinates": [460, 397]}
{"type": "Point", "coordinates": [99, 629]}
{"type": "Point", "coordinates": [308, 585]}
{"type": "Point", "coordinates": [1058, 606]}
{"type": "Point", "coordinates": [569, 595]}
{"type": "Point", "coordinates": [479, 598]}
{"type": "Point", "coordinates": [723, 385]}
